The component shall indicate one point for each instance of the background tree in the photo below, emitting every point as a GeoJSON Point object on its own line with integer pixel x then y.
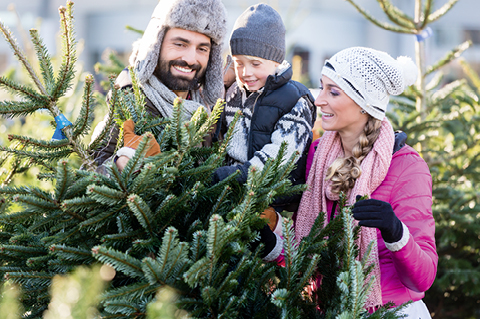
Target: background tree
{"type": "Point", "coordinates": [442, 123]}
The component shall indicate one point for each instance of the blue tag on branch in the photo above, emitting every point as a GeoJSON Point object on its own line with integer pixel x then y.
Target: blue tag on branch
{"type": "Point", "coordinates": [62, 122]}
{"type": "Point", "coordinates": [426, 33]}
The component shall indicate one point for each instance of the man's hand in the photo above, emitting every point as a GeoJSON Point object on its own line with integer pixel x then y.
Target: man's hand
{"type": "Point", "coordinates": [132, 141]}
{"type": "Point", "coordinates": [270, 215]}
{"type": "Point", "coordinates": [122, 162]}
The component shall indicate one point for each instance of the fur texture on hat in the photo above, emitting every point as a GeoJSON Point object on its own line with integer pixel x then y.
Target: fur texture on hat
{"type": "Point", "coordinates": [208, 17]}
{"type": "Point", "coordinates": [369, 77]}
{"type": "Point", "coordinates": [259, 31]}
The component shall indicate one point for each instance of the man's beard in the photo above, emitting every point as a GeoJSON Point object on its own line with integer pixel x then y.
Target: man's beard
{"type": "Point", "coordinates": [179, 83]}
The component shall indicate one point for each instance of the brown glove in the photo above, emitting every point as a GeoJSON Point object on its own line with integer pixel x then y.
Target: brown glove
{"type": "Point", "coordinates": [270, 215]}
{"type": "Point", "coordinates": [132, 140]}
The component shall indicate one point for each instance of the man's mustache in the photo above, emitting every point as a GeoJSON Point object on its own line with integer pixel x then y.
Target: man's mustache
{"type": "Point", "coordinates": [182, 63]}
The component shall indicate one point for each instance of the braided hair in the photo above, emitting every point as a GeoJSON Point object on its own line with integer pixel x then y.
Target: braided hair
{"type": "Point", "coordinates": [344, 171]}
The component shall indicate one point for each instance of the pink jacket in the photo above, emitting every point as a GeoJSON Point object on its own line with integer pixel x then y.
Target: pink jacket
{"type": "Point", "coordinates": [409, 272]}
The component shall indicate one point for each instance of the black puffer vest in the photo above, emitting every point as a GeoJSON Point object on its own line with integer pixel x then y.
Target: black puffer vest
{"type": "Point", "coordinates": [278, 98]}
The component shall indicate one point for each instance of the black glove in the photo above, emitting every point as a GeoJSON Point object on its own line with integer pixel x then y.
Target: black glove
{"type": "Point", "coordinates": [400, 139]}
{"type": "Point", "coordinates": [223, 172]}
{"type": "Point", "coordinates": [379, 214]}
{"type": "Point", "coordinates": [268, 238]}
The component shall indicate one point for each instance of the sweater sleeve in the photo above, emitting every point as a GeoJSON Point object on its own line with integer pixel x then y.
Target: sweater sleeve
{"type": "Point", "coordinates": [416, 262]}
{"type": "Point", "coordinates": [294, 128]}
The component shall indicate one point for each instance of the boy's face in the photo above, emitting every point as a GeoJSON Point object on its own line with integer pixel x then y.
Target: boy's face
{"type": "Point", "coordinates": [253, 71]}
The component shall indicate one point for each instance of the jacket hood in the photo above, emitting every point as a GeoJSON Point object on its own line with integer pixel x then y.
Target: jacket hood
{"type": "Point", "coordinates": [204, 16]}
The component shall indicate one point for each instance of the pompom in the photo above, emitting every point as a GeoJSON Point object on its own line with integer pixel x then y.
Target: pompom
{"type": "Point", "coordinates": [409, 70]}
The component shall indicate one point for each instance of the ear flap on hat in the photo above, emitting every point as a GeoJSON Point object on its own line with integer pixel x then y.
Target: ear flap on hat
{"type": "Point", "coordinates": [213, 86]}
{"type": "Point", "coordinates": [144, 59]}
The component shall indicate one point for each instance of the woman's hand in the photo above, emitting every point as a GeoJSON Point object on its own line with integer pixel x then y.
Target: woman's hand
{"type": "Point", "coordinates": [379, 214]}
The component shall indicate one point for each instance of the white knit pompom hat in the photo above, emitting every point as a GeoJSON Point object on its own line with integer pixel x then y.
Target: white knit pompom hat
{"type": "Point", "coordinates": [369, 77]}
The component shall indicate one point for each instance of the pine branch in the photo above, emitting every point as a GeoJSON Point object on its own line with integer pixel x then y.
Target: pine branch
{"type": "Point", "coordinates": [86, 116]}
{"type": "Point", "coordinates": [178, 131]}
{"type": "Point", "coordinates": [229, 135]}
{"type": "Point", "coordinates": [95, 144]}
{"type": "Point", "coordinates": [139, 101]}
{"type": "Point", "coordinates": [44, 60]}
{"type": "Point", "coordinates": [134, 164]}
{"type": "Point", "coordinates": [396, 15]}
{"type": "Point", "coordinates": [450, 56]}
{"type": "Point", "coordinates": [37, 279]}
{"type": "Point", "coordinates": [122, 262]}
{"type": "Point", "coordinates": [440, 12]}
{"type": "Point", "coordinates": [209, 123]}
{"type": "Point", "coordinates": [40, 157]}
{"type": "Point", "coordinates": [19, 251]}
{"type": "Point", "coordinates": [385, 26]}
{"type": "Point", "coordinates": [426, 14]}
{"type": "Point", "coordinates": [173, 257]}
{"type": "Point", "coordinates": [21, 57]}
{"type": "Point", "coordinates": [20, 108]}
{"type": "Point", "coordinates": [40, 144]}
{"type": "Point", "coordinates": [142, 212]}
{"type": "Point", "coordinates": [173, 204]}
{"type": "Point", "coordinates": [66, 72]}
{"type": "Point", "coordinates": [130, 292]}
{"type": "Point", "coordinates": [72, 253]}
{"type": "Point", "coordinates": [23, 91]}
{"type": "Point", "coordinates": [34, 202]}
{"type": "Point", "coordinates": [64, 178]}
{"type": "Point", "coordinates": [105, 195]}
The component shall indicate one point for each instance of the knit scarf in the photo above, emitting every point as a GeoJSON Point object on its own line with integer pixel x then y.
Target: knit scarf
{"type": "Point", "coordinates": [374, 168]}
{"type": "Point", "coordinates": [162, 97]}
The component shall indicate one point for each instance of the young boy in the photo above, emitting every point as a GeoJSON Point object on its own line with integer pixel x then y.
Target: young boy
{"type": "Point", "coordinates": [275, 108]}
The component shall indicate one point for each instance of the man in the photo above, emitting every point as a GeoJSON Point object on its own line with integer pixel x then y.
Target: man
{"type": "Point", "coordinates": [178, 55]}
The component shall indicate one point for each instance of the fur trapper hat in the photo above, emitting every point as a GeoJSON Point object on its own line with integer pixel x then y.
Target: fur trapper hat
{"type": "Point", "coordinates": [208, 17]}
{"type": "Point", "coordinates": [369, 77]}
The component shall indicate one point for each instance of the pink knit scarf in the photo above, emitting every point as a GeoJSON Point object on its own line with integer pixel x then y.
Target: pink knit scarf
{"type": "Point", "coordinates": [374, 169]}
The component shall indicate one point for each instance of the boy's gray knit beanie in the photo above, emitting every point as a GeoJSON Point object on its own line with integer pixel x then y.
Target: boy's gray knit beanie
{"type": "Point", "coordinates": [259, 31]}
{"type": "Point", "coordinates": [208, 17]}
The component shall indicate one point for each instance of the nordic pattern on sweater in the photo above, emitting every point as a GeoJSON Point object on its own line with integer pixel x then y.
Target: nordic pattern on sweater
{"type": "Point", "coordinates": [294, 128]}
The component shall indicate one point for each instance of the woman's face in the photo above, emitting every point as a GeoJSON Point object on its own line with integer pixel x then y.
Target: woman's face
{"type": "Point", "coordinates": [339, 112]}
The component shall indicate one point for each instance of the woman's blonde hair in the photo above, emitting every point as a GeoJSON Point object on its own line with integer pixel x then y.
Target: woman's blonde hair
{"type": "Point", "coordinates": [344, 171]}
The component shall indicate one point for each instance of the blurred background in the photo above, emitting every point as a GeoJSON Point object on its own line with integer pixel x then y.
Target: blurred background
{"type": "Point", "coordinates": [316, 29]}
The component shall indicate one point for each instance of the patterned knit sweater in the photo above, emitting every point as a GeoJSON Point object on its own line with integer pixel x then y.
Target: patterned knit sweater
{"type": "Point", "coordinates": [293, 127]}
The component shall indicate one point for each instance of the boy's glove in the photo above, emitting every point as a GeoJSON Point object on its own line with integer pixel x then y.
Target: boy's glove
{"type": "Point", "coordinates": [223, 172]}
{"type": "Point", "coordinates": [379, 214]}
{"type": "Point", "coordinates": [132, 140]}
{"type": "Point", "coordinates": [270, 215]}
{"type": "Point", "coordinates": [268, 238]}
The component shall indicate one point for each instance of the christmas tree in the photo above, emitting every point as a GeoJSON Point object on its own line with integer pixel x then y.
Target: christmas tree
{"type": "Point", "coordinates": [160, 222]}
{"type": "Point", "coordinates": [441, 121]}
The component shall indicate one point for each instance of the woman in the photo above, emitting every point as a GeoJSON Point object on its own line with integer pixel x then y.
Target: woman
{"type": "Point", "coordinates": [354, 156]}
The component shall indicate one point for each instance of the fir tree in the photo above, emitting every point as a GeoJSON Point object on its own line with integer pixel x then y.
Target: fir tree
{"type": "Point", "coordinates": [160, 222]}
{"type": "Point", "coordinates": [441, 121]}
